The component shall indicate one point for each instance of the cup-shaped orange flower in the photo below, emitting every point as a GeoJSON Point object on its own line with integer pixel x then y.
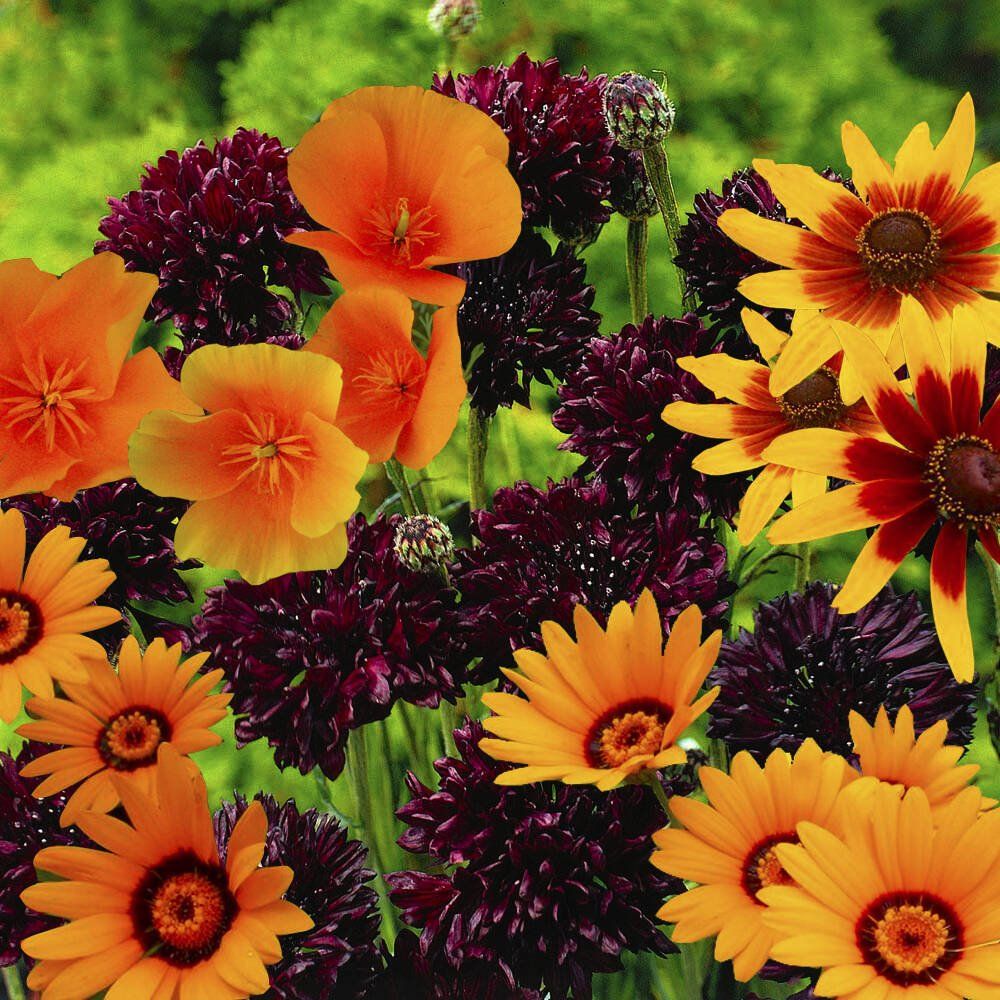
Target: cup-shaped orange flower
{"type": "Point", "coordinates": [114, 725]}
{"type": "Point", "coordinates": [405, 179]}
{"type": "Point", "coordinates": [155, 912]}
{"type": "Point", "coordinates": [45, 609]}
{"type": "Point", "coordinates": [273, 479]}
{"type": "Point", "coordinates": [395, 401]}
{"type": "Point", "coordinates": [610, 704]}
{"type": "Point", "coordinates": [70, 395]}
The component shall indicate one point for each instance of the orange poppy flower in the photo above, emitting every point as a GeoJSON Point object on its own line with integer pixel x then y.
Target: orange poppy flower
{"type": "Point", "coordinates": [156, 913]}
{"type": "Point", "coordinates": [45, 607]}
{"type": "Point", "coordinates": [69, 393]}
{"type": "Point", "coordinates": [394, 400]}
{"type": "Point", "coordinates": [113, 725]}
{"type": "Point", "coordinates": [915, 230]}
{"type": "Point", "coordinates": [405, 179]}
{"type": "Point", "coordinates": [272, 478]}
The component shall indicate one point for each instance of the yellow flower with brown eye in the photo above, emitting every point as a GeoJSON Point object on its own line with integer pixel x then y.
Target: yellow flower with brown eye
{"type": "Point", "coordinates": [756, 417]}
{"type": "Point", "coordinates": [606, 706]}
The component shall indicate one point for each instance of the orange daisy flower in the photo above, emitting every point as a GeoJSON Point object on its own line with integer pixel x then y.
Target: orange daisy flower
{"type": "Point", "coordinates": [757, 416]}
{"type": "Point", "coordinates": [272, 478]}
{"type": "Point", "coordinates": [395, 401]}
{"type": "Point", "coordinates": [405, 179]}
{"type": "Point", "coordinates": [914, 231]}
{"type": "Point", "coordinates": [115, 724]}
{"type": "Point", "coordinates": [156, 913]}
{"type": "Point", "coordinates": [45, 609]}
{"type": "Point", "coordinates": [729, 846]}
{"type": "Point", "coordinates": [606, 706]}
{"type": "Point", "coordinates": [69, 393]}
{"type": "Point", "coordinates": [940, 467]}
{"type": "Point", "coordinates": [899, 907]}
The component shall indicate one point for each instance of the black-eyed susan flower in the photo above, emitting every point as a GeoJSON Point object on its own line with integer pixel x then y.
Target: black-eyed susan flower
{"type": "Point", "coordinates": [46, 607]}
{"type": "Point", "coordinates": [915, 230]}
{"type": "Point", "coordinates": [940, 466]}
{"type": "Point", "coordinates": [111, 728]}
{"type": "Point", "coordinates": [728, 846]}
{"type": "Point", "coordinates": [156, 913]}
{"type": "Point", "coordinates": [756, 416]}
{"type": "Point", "coordinates": [607, 705]}
{"type": "Point", "coordinates": [898, 907]}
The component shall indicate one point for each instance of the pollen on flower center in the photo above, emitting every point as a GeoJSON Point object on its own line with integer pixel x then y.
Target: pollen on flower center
{"type": "Point", "coordinates": [626, 731]}
{"type": "Point", "coordinates": [268, 453]}
{"type": "Point", "coordinates": [130, 739]}
{"type": "Point", "coordinates": [815, 401]}
{"type": "Point", "coordinates": [46, 402]}
{"type": "Point", "coordinates": [394, 378]}
{"type": "Point", "coordinates": [20, 625]}
{"type": "Point", "coordinates": [400, 232]}
{"type": "Point", "coordinates": [761, 866]}
{"type": "Point", "coordinates": [899, 248]}
{"type": "Point", "coordinates": [963, 473]}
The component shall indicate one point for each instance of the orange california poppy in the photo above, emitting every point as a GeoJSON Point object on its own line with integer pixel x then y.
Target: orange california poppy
{"type": "Point", "coordinates": [272, 478]}
{"type": "Point", "coordinates": [942, 468]}
{"type": "Point", "coordinates": [45, 609]}
{"type": "Point", "coordinates": [395, 401]}
{"type": "Point", "coordinates": [405, 179]}
{"type": "Point", "coordinates": [113, 725]}
{"type": "Point", "coordinates": [156, 914]}
{"type": "Point", "coordinates": [757, 416]}
{"type": "Point", "coordinates": [69, 393]}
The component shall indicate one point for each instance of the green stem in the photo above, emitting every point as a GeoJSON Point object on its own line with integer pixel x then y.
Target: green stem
{"type": "Point", "coordinates": [12, 983]}
{"type": "Point", "coordinates": [450, 716]}
{"type": "Point", "coordinates": [479, 443]}
{"type": "Point", "coordinates": [397, 476]}
{"type": "Point", "coordinates": [657, 166]}
{"type": "Point", "coordinates": [993, 575]}
{"type": "Point", "coordinates": [653, 780]}
{"type": "Point", "coordinates": [637, 244]}
{"type": "Point", "coordinates": [803, 566]}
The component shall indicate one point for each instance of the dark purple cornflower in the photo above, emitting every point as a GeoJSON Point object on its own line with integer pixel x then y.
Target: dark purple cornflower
{"type": "Point", "coordinates": [610, 407]}
{"type": "Point", "coordinates": [127, 525]}
{"type": "Point", "coordinates": [338, 959]}
{"type": "Point", "coordinates": [548, 883]}
{"type": "Point", "coordinates": [561, 152]}
{"type": "Point", "coordinates": [311, 656]}
{"type": "Point", "coordinates": [991, 388]}
{"type": "Point", "coordinates": [210, 223]}
{"type": "Point", "coordinates": [526, 316]}
{"type": "Point", "coordinates": [542, 552]}
{"type": "Point", "coordinates": [805, 667]}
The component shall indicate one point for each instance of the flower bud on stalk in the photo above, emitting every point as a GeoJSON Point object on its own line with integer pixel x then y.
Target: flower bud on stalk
{"type": "Point", "coordinates": [453, 20]}
{"type": "Point", "coordinates": [424, 544]}
{"type": "Point", "coordinates": [633, 197]}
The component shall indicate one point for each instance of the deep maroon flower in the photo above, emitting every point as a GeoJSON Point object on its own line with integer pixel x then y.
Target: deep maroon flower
{"type": "Point", "coordinates": [338, 958]}
{"type": "Point", "coordinates": [991, 390]}
{"type": "Point", "coordinates": [127, 525]}
{"type": "Point", "coordinates": [542, 552]}
{"type": "Point", "coordinates": [611, 406]}
{"type": "Point", "coordinates": [561, 152]}
{"type": "Point", "coordinates": [546, 883]}
{"type": "Point", "coordinates": [804, 667]}
{"type": "Point", "coordinates": [631, 193]}
{"type": "Point", "coordinates": [27, 825]}
{"type": "Point", "coordinates": [211, 222]}
{"type": "Point", "coordinates": [526, 315]}
{"type": "Point", "coordinates": [310, 656]}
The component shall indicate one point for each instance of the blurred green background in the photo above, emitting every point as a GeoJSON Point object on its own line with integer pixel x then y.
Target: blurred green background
{"type": "Point", "coordinates": [91, 89]}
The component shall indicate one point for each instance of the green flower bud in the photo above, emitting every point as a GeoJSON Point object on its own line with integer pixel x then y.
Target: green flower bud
{"type": "Point", "coordinates": [638, 113]}
{"type": "Point", "coordinates": [454, 19]}
{"type": "Point", "coordinates": [423, 543]}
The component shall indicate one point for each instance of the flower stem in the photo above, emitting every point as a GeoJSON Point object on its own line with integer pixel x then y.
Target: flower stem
{"type": "Point", "coordinates": [637, 244]}
{"type": "Point", "coordinates": [803, 566]}
{"type": "Point", "coordinates": [12, 983]}
{"type": "Point", "coordinates": [479, 443]}
{"type": "Point", "coordinates": [653, 780]}
{"type": "Point", "coordinates": [397, 476]}
{"type": "Point", "coordinates": [654, 159]}
{"type": "Point", "coordinates": [993, 575]}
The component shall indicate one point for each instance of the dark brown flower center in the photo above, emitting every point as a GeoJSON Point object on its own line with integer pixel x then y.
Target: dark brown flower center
{"type": "Point", "coordinates": [20, 625]}
{"type": "Point", "coordinates": [909, 938]}
{"type": "Point", "coordinates": [182, 909]}
{"type": "Point", "coordinates": [628, 730]}
{"type": "Point", "coordinates": [964, 476]}
{"type": "Point", "coordinates": [900, 249]}
{"type": "Point", "coordinates": [815, 401]}
{"type": "Point", "coordinates": [761, 867]}
{"type": "Point", "coordinates": [131, 738]}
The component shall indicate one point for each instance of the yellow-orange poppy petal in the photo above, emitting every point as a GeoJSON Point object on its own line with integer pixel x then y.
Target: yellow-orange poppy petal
{"type": "Point", "coordinates": [12, 545]}
{"type": "Point", "coordinates": [22, 286]}
{"type": "Point", "coordinates": [948, 599]}
{"type": "Point", "coordinates": [762, 499]}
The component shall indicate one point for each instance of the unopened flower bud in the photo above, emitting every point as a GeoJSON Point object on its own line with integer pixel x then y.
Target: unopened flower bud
{"type": "Point", "coordinates": [454, 19]}
{"type": "Point", "coordinates": [579, 233]}
{"type": "Point", "coordinates": [638, 113]}
{"type": "Point", "coordinates": [631, 193]}
{"type": "Point", "coordinates": [423, 543]}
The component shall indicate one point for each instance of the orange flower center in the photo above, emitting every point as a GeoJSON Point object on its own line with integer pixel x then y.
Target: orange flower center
{"type": "Point", "coordinates": [910, 939]}
{"type": "Point", "coordinates": [271, 455]}
{"type": "Point", "coordinates": [20, 625]}
{"type": "Point", "coordinates": [815, 401]}
{"type": "Point", "coordinates": [626, 731]}
{"type": "Point", "coordinates": [963, 473]}
{"type": "Point", "coordinates": [400, 233]}
{"type": "Point", "coordinates": [394, 379]}
{"type": "Point", "coordinates": [761, 867]}
{"type": "Point", "coordinates": [900, 249]}
{"type": "Point", "coordinates": [46, 403]}
{"type": "Point", "coordinates": [182, 909]}
{"type": "Point", "coordinates": [129, 740]}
